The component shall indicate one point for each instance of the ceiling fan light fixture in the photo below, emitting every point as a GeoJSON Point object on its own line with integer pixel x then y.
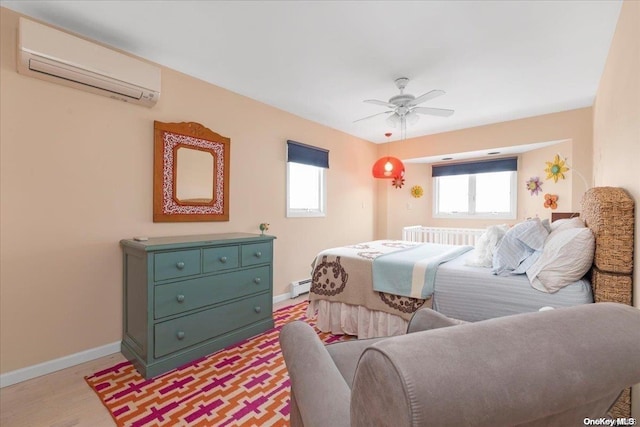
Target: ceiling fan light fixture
{"type": "Point", "coordinates": [393, 120]}
{"type": "Point", "coordinates": [412, 118]}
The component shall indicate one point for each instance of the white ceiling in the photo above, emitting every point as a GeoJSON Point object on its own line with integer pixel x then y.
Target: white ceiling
{"type": "Point", "coordinates": [497, 60]}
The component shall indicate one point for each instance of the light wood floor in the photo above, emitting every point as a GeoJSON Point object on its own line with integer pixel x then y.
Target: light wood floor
{"type": "Point", "coordinates": [63, 398]}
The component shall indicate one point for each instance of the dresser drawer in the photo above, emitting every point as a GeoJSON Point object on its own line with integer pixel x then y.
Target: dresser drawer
{"type": "Point", "coordinates": [186, 331]}
{"type": "Point", "coordinates": [178, 297]}
{"type": "Point", "coordinates": [220, 258]}
{"type": "Point", "coordinates": [170, 265]}
{"type": "Point", "coordinates": [256, 253]}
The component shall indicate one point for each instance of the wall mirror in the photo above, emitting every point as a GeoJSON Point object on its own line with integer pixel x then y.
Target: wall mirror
{"type": "Point", "coordinates": [191, 173]}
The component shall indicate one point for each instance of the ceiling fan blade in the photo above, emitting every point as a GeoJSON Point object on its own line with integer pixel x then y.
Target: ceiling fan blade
{"type": "Point", "coordinates": [433, 111]}
{"type": "Point", "coordinates": [383, 103]}
{"type": "Point", "coordinates": [425, 97]}
{"type": "Point", "coordinates": [373, 115]}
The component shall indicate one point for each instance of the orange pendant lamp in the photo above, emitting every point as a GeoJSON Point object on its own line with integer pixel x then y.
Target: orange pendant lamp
{"type": "Point", "coordinates": [388, 167]}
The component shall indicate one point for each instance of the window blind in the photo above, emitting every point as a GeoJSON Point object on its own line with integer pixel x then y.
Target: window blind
{"type": "Point", "coordinates": [469, 168]}
{"type": "Point", "coordinates": [298, 152]}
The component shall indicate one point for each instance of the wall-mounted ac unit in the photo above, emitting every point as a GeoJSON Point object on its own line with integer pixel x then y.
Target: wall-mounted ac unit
{"type": "Point", "coordinates": [55, 56]}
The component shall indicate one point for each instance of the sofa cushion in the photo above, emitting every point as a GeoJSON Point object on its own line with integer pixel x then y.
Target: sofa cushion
{"type": "Point", "coordinates": [346, 355]}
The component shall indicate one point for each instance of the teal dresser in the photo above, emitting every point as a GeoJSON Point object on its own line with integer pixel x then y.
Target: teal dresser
{"type": "Point", "coordinates": [189, 296]}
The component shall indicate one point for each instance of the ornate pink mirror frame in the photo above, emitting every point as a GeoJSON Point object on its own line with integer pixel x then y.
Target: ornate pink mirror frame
{"type": "Point", "coordinates": [167, 207]}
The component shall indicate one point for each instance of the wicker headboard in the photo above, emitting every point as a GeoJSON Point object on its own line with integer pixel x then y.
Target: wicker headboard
{"type": "Point", "coordinates": [609, 213]}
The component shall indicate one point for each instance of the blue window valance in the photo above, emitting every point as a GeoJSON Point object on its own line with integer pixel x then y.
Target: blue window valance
{"type": "Point", "coordinates": [298, 152]}
{"type": "Point", "coordinates": [469, 168]}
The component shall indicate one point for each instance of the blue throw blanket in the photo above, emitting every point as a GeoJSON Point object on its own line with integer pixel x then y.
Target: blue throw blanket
{"type": "Point", "coordinates": [412, 272]}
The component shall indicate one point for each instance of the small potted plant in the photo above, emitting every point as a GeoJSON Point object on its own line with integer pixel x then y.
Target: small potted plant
{"type": "Point", "coordinates": [264, 227]}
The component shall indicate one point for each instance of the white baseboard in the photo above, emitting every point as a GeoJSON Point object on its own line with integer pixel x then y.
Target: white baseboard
{"type": "Point", "coordinates": [281, 297]}
{"type": "Point", "coordinates": [50, 366]}
{"type": "Point", "coordinates": [45, 368]}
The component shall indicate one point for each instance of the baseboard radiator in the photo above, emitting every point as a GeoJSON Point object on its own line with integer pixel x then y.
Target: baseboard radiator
{"type": "Point", "coordinates": [300, 287]}
{"type": "Point", "coordinates": [443, 235]}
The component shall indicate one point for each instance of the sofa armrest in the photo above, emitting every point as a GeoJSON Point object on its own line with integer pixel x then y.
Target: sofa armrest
{"type": "Point", "coordinates": [426, 319]}
{"type": "Point", "coordinates": [322, 395]}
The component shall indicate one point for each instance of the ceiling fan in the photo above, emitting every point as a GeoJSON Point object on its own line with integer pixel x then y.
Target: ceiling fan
{"type": "Point", "coordinates": [404, 107]}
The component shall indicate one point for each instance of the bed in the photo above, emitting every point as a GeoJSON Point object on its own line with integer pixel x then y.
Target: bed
{"type": "Point", "coordinates": [342, 298]}
{"type": "Point", "coordinates": [343, 301]}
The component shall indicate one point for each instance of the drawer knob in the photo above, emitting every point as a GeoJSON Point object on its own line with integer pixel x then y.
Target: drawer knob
{"type": "Point", "coordinates": [257, 280]}
{"type": "Point", "coordinates": [223, 259]}
{"type": "Point", "coordinates": [258, 254]}
{"type": "Point", "coordinates": [257, 309]}
{"type": "Point", "coordinates": [180, 265]}
{"type": "Point", "coordinates": [180, 335]}
{"type": "Point", "coordinates": [180, 298]}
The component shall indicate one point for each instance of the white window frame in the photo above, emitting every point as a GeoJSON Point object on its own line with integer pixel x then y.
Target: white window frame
{"type": "Point", "coordinates": [322, 192]}
{"type": "Point", "coordinates": [471, 214]}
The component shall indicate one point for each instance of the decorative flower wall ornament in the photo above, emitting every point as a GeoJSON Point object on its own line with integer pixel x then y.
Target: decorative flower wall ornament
{"type": "Point", "coordinates": [551, 201]}
{"type": "Point", "coordinates": [534, 185]}
{"type": "Point", "coordinates": [417, 191]}
{"type": "Point", "coordinates": [398, 182]}
{"type": "Point", "coordinates": [556, 169]}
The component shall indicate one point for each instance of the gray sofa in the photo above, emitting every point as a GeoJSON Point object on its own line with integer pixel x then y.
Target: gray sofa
{"type": "Point", "coordinates": [538, 369]}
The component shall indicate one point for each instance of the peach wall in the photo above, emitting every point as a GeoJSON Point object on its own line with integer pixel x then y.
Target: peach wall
{"type": "Point", "coordinates": [616, 128]}
{"type": "Point", "coordinates": [401, 209]}
{"type": "Point", "coordinates": [404, 210]}
{"type": "Point", "coordinates": [76, 177]}
{"type": "Point", "coordinates": [533, 163]}
{"type": "Point", "coordinates": [573, 126]}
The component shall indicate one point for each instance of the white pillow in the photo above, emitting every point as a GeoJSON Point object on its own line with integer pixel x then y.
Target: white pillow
{"type": "Point", "coordinates": [518, 244]}
{"type": "Point", "coordinates": [566, 258]}
{"type": "Point", "coordinates": [566, 223]}
{"type": "Point", "coordinates": [482, 255]}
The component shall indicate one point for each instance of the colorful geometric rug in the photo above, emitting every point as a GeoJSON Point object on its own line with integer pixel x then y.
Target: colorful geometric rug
{"type": "Point", "coordinates": [243, 385]}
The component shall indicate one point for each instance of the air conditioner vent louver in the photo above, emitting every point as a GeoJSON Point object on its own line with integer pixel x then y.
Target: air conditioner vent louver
{"type": "Point", "coordinates": [84, 79]}
{"type": "Point", "coordinates": [55, 56]}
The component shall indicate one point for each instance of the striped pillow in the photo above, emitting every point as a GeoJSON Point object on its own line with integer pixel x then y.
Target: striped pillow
{"type": "Point", "coordinates": [519, 243]}
{"type": "Point", "coordinates": [566, 258]}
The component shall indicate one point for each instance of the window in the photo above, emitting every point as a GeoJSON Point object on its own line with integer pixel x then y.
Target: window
{"type": "Point", "coordinates": [486, 190]}
{"type": "Point", "coordinates": [306, 180]}
{"type": "Point", "coordinates": [306, 193]}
